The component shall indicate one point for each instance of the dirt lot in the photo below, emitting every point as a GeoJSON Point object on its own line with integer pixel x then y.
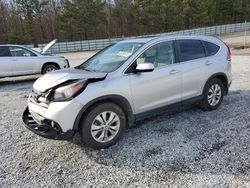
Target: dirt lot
{"type": "Point", "coordinates": [186, 148]}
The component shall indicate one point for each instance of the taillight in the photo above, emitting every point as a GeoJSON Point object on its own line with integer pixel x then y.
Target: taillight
{"type": "Point", "coordinates": [229, 55]}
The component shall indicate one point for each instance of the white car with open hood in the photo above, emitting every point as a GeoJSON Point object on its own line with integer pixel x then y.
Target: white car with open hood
{"type": "Point", "coordinates": [17, 60]}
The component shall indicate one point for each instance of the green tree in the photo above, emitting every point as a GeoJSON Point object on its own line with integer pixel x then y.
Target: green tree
{"type": "Point", "coordinates": [82, 17]}
{"type": "Point", "coordinates": [30, 11]}
{"type": "Point", "coordinates": [38, 21]}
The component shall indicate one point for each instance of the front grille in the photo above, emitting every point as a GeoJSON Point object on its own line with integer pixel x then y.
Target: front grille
{"type": "Point", "coordinates": [39, 98]}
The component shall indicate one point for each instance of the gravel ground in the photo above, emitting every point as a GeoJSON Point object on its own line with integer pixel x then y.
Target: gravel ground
{"type": "Point", "coordinates": [185, 148]}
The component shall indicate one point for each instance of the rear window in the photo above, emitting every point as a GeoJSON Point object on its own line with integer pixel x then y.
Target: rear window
{"type": "Point", "coordinates": [191, 49]}
{"type": "Point", "coordinates": [211, 48]}
{"type": "Point", "coordinates": [4, 51]}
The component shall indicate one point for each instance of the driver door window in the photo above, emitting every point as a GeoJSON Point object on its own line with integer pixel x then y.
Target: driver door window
{"type": "Point", "coordinates": [23, 61]}
{"type": "Point", "coordinates": [160, 55]}
{"type": "Point", "coordinates": [20, 52]}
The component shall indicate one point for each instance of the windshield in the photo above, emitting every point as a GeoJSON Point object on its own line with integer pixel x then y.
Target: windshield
{"type": "Point", "coordinates": [110, 58]}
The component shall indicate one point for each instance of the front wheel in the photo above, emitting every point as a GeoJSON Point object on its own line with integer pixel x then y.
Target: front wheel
{"type": "Point", "coordinates": [212, 95]}
{"type": "Point", "coordinates": [103, 126]}
{"type": "Point", "coordinates": [49, 68]}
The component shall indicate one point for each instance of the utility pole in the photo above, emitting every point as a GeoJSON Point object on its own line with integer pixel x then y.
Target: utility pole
{"type": "Point", "coordinates": [245, 40]}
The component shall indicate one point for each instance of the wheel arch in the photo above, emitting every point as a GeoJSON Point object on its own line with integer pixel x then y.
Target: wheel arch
{"type": "Point", "coordinates": [222, 77]}
{"type": "Point", "coordinates": [117, 99]}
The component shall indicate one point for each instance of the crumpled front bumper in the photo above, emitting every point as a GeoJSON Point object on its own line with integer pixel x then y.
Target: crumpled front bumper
{"type": "Point", "coordinates": [44, 127]}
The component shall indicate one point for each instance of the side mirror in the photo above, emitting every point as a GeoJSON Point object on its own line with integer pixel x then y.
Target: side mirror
{"type": "Point", "coordinates": [145, 67]}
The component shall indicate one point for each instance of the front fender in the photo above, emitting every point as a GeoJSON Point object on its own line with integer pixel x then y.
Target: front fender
{"type": "Point", "coordinates": [121, 101]}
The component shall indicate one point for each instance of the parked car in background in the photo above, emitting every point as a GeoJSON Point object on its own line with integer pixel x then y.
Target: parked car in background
{"type": "Point", "coordinates": [17, 60]}
{"type": "Point", "coordinates": [127, 82]}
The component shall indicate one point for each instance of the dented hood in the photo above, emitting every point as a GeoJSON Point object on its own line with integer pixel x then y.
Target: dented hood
{"type": "Point", "coordinates": [53, 79]}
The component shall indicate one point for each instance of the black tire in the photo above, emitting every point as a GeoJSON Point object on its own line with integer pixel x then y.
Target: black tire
{"type": "Point", "coordinates": [89, 119]}
{"type": "Point", "coordinates": [205, 105]}
{"type": "Point", "coordinates": [49, 68]}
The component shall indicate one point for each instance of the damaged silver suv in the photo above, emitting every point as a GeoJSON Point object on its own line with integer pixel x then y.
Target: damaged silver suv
{"type": "Point", "coordinates": [126, 82]}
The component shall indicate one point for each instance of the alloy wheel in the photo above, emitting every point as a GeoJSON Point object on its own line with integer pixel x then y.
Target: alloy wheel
{"type": "Point", "coordinates": [105, 126]}
{"type": "Point", "coordinates": [214, 94]}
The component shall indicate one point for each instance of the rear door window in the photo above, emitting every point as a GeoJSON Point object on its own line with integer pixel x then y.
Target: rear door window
{"type": "Point", "coordinates": [211, 48]}
{"type": "Point", "coordinates": [191, 49]}
{"type": "Point", "coordinates": [4, 51]}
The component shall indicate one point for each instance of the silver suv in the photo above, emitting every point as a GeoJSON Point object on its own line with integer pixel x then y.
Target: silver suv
{"type": "Point", "coordinates": [126, 82]}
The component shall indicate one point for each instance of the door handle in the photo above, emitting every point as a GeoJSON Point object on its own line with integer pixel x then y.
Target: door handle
{"type": "Point", "coordinates": [174, 71]}
{"type": "Point", "coordinates": [208, 62]}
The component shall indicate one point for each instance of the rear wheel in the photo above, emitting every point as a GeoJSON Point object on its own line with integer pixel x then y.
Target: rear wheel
{"type": "Point", "coordinates": [103, 126]}
{"type": "Point", "coordinates": [212, 95]}
{"type": "Point", "coordinates": [49, 68]}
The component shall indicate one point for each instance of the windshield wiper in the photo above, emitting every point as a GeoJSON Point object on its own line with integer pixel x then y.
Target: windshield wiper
{"type": "Point", "coordinates": [90, 70]}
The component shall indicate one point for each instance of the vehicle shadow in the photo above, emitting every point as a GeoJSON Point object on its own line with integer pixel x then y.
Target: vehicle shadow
{"type": "Point", "coordinates": [187, 140]}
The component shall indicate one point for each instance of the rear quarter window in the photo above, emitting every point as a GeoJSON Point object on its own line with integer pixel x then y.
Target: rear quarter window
{"type": "Point", "coordinates": [4, 51]}
{"type": "Point", "coordinates": [191, 49]}
{"type": "Point", "coordinates": [211, 48]}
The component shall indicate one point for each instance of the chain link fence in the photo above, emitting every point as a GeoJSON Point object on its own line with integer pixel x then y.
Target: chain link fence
{"type": "Point", "coordinates": [88, 45]}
